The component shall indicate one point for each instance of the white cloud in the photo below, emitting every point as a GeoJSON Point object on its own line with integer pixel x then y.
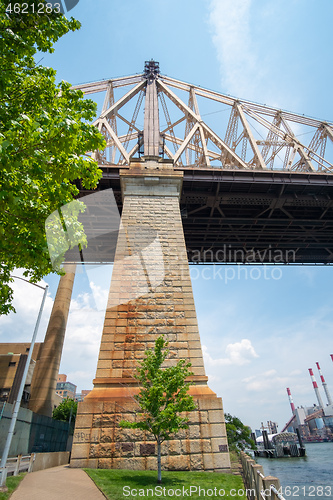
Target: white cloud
{"type": "Point", "coordinates": [244, 36]}
{"type": "Point", "coordinates": [100, 296]}
{"type": "Point", "coordinates": [240, 68]}
{"type": "Point", "coordinates": [272, 380]}
{"type": "Point", "coordinates": [239, 353]}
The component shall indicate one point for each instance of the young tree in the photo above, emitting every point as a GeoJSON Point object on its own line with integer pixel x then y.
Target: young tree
{"type": "Point", "coordinates": [44, 137]}
{"type": "Point", "coordinates": [239, 435]}
{"type": "Point", "coordinates": [65, 411]}
{"type": "Point", "coordinates": [162, 398]}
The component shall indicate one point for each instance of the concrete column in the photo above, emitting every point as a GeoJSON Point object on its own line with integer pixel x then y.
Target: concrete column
{"type": "Point", "coordinates": [44, 381]}
{"type": "Point", "coordinates": [150, 295]}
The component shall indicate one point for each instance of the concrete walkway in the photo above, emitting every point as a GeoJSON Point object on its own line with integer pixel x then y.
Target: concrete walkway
{"type": "Point", "coordinates": [57, 483]}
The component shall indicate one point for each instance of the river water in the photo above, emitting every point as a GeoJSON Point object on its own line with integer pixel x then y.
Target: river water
{"type": "Point", "coordinates": [304, 477]}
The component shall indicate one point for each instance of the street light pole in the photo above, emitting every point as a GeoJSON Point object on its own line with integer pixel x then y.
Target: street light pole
{"type": "Point", "coordinates": [3, 471]}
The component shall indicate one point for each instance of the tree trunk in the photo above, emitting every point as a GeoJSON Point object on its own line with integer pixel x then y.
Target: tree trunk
{"type": "Point", "coordinates": [159, 470]}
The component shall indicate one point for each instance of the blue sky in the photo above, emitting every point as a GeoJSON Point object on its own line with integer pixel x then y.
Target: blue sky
{"type": "Point", "coordinates": [260, 332]}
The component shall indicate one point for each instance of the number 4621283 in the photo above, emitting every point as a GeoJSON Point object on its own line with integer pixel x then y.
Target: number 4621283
{"type": "Point", "coordinates": [40, 8]}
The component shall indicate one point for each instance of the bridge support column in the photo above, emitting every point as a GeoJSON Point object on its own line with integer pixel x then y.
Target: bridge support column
{"type": "Point", "coordinates": [44, 380]}
{"type": "Point", "coordinates": [150, 295]}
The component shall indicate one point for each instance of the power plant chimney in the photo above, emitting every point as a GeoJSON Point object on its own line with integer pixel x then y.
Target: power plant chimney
{"type": "Point", "coordinates": [328, 396]}
{"type": "Point", "coordinates": [315, 386]}
{"type": "Point", "coordinates": [291, 400]}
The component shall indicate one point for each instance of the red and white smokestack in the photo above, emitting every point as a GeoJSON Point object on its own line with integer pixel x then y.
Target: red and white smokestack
{"type": "Point", "coordinates": [315, 386]}
{"type": "Point", "coordinates": [291, 400]}
{"type": "Point", "coordinates": [331, 357]}
{"type": "Point", "coordinates": [328, 396]}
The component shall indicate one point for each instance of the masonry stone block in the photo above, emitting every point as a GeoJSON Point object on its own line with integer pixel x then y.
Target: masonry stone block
{"type": "Point", "coordinates": [212, 430]}
{"type": "Point", "coordinates": [173, 447]}
{"type": "Point", "coordinates": [80, 451]}
{"type": "Point", "coordinates": [178, 462]}
{"type": "Point", "coordinates": [219, 444]}
{"type": "Point", "coordinates": [208, 461]}
{"type": "Point", "coordinates": [196, 462]}
{"type": "Point", "coordinates": [83, 421]}
{"type": "Point", "coordinates": [83, 462]}
{"type": "Point", "coordinates": [221, 462]}
{"type": "Point", "coordinates": [210, 404]}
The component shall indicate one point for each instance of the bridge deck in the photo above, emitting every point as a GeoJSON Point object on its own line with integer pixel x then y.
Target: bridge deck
{"type": "Point", "coordinates": [234, 216]}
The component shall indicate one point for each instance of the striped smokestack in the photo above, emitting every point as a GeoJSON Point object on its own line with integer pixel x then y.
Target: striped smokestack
{"type": "Point", "coordinates": [315, 386]}
{"type": "Point", "coordinates": [291, 400]}
{"type": "Point", "coordinates": [328, 396]}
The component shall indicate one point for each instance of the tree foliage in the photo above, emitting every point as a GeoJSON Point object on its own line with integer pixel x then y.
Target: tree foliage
{"type": "Point", "coordinates": [44, 136]}
{"type": "Point", "coordinates": [239, 435]}
{"type": "Point", "coordinates": [65, 411]}
{"type": "Point", "coordinates": [163, 396]}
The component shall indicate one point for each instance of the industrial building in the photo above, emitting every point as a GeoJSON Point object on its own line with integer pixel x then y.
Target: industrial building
{"type": "Point", "coordinates": [315, 423]}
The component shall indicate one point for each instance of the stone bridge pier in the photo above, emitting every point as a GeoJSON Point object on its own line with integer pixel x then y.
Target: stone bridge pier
{"type": "Point", "coordinates": [150, 295]}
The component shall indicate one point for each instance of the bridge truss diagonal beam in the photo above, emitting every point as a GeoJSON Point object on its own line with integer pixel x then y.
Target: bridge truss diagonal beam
{"type": "Point", "coordinates": [256, 136]}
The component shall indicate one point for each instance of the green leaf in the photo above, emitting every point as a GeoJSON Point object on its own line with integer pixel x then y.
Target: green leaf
{"type": "Point", "coordinates": [5, 144]}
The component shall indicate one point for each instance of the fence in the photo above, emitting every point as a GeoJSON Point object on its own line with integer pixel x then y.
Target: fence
{"type": "Point", "coordinates": [33, 433]}
{"type": "Point", "coordinates": [21, 463]}
{"type": "Point", "coordinates": [258, 486]}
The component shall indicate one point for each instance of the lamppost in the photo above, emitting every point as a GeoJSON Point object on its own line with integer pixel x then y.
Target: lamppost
{"type": "Point", "coordinates": [3, 470]}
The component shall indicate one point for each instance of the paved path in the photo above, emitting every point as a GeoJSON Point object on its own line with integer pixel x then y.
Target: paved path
{"type": "Point", "coordinates": [57, 483]}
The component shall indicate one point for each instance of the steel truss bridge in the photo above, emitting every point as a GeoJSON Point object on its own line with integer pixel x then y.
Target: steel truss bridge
{"type": "Point", "coordinates": [258, 183]}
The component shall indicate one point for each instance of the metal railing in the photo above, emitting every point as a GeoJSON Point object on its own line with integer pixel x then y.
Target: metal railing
{"type": "Point", "coordinates": [21, 463]}
{"type": "Point", "coordinates": [258, 486]}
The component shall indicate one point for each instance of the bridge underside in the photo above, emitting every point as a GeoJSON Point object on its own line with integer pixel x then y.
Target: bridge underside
{"type": "Point", "coordinates": [237, 216]}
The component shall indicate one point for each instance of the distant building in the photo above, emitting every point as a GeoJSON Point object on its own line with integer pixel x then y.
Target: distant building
{"type": "Point", "coordinates": [272, 427]}
{"type": "Point", "coordinates": [64, 388]}
{"type": "Point", "coordinates": [313, 422]}
{"type": "Point", "coordinates": [80, 396]}
{"type": "Point", "coordinates": [13, 357]}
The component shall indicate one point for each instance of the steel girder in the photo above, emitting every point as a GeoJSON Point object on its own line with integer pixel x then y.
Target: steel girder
{"type": "Point", "coordinates": [203, 129]}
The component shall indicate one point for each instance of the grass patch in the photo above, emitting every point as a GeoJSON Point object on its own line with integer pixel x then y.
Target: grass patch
{"type": "Point", "coordinates": [12, 483]}
{"type": "Point", "coordinates": [128, 484]}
